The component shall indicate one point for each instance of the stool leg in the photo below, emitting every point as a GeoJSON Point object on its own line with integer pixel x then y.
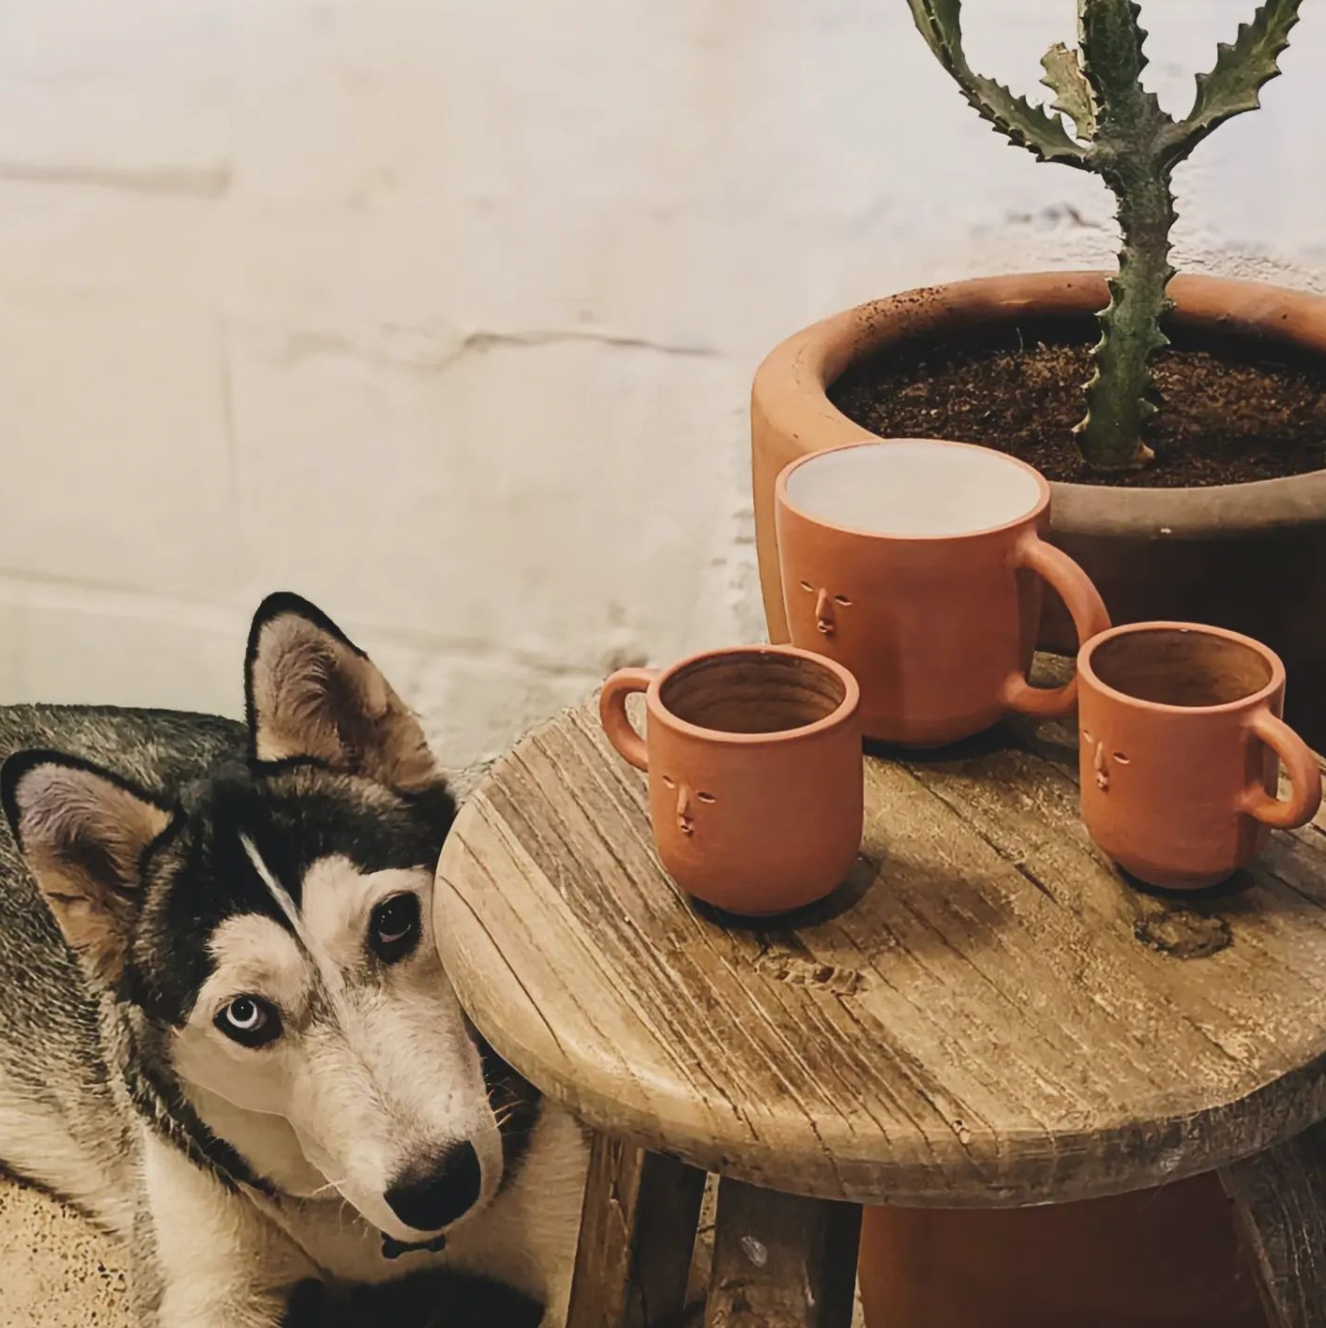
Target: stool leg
{"type": "Point", "coordinates": [637, 1233]}
{"type": "Point", "coordinates": [782, 1261]}
{"type": "Point", "coordinates": [1280, 1196]}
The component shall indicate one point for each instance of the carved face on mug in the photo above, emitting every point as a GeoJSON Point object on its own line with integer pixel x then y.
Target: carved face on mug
{"type": "Point", "coordinates": [1106, 762]}
{"type": "Point", "coordinates": [828, 606]}
{"type": "Point", "coordinates": [689, 803]}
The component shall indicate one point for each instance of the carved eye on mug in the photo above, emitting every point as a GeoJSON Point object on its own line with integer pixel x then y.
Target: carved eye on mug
{"type": "Point", "coordinates": [706, 797]}
{"type": "Point", "coordinates": [841, 599]}
{"type": "Point", "coordinates": [807, 587]}
{"type": "Point", "coordinates": [1120, 757]}
{"type": "Point", "coordinates": [669, 782]}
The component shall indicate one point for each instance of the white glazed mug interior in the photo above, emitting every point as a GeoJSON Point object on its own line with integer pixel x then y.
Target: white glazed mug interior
{"type": "Point", "coordinates": [914, 488]}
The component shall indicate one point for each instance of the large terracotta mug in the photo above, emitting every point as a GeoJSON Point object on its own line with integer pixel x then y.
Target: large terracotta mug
{"type": "Point", "coordinates": [1181, 744]}
{"type": "Point", "coordinates": [755, 775]}
{"type": "Point", "coordinates": [917, 564]}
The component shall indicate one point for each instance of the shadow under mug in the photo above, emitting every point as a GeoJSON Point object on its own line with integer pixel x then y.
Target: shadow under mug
{"type": "Point", "coordinates": [1180, 748]}
{"type": "Point", "coordinates": [755, 774]}
{"type": "Point", "coordinates": [917, 564]}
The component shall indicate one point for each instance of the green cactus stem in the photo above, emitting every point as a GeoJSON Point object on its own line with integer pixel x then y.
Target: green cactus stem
{"type": "Point", "coordinates": [1121, 133]}
{"type": "Point", "coordinates": [1121, 395]}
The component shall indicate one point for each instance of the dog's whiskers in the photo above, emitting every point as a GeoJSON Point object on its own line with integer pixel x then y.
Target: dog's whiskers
{"type": "Point", "coordinates": [323, 1189]}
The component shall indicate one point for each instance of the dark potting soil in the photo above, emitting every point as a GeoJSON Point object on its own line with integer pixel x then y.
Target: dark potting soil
{"type": "Point", "coordinates": [1226, 416]}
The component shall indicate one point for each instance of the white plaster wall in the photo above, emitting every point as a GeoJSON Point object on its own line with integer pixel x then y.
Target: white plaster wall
{"type": "Point", "coordinates": [443, 312]}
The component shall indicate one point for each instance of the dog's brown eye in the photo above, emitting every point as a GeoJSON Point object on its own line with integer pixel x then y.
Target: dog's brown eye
{"type": "Point", "coordinates": [394, 931]}
{"type": "Point", "coordinates": [250, 1021]}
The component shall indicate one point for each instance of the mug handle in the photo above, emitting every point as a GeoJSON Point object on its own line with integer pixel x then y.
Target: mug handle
{"type": "Point", "coordinates": [612, 713]}
{"type": "Point", "coordinates": [1089, 617]}
{"type": "Point", "coordinates": [1304, 776]}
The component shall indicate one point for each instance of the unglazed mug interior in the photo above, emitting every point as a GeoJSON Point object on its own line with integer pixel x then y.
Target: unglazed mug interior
{"type": "Point", "coordinates": [752, 692]}
{"type": "Point", "coordinates": [754, 762]}
{"type": "Point", "coordinates": [913, 488]}
{"type": "Point", "coordinates": [1182, 743]}
{"type": "Point", "coordinates": [1186, 668]}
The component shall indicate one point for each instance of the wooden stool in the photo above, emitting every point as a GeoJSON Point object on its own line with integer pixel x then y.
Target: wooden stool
{"type": "Point", "coordinates": [984, 1015]}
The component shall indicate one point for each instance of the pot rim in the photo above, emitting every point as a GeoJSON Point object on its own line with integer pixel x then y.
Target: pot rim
{"type": "Point", "coordinates": [1032, 515]}
{"type": "Point", "coordinates": [791, 387]}
{"type": "Point", "coordinates": [1253, 700]}
{"type": "Point", "coordinates": [843, 712]}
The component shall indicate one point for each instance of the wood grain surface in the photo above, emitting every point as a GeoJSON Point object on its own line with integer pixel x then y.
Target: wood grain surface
{"type": "Point", "coordinates": [984, 1015]}
{"type": "Point", "coordinates": [1281, 1198]}
{"type": "Point", "coordinates": [637, 1236]}
{"type": "Point", "coordinates": [781, 1261]}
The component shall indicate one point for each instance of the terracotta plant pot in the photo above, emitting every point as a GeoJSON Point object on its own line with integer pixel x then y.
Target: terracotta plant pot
{"type": "Point", "coordinates": [756, 791]}
{"type": "Point", "coordinates": [1180, 750]}
{"type": "Point", "coordinates": [1251, 557]}
{"type": "Point", "coordinates": [917, 564]}
{"type": "Point", "coordinates": [1166, 1258]}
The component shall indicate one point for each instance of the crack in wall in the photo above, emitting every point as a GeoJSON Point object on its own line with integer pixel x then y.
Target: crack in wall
{"type": "Point", "coordinates": [1058, 214]}
{"type": "Point", "coordinates": [176, 181]}
{"type": "Point", "coordinates": [483, 340]}
{"type": "Point", "coordinates": [302, 345]}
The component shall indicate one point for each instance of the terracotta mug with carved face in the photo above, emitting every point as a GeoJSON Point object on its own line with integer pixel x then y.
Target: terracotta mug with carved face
{"type": "Point", "coordinates": [917, 564]}
{"type": "Point", "coordinates": [755, 775]}
{"type": "Point", "coordinates": [1180, 751]}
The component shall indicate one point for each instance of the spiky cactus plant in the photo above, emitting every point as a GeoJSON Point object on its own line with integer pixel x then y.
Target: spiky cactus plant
{"type": "Point", "coordinates": [1121, 133]}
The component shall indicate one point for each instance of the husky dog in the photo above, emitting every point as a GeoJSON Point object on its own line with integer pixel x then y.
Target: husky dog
{"type": "Point", "coordinates": [225, 1032]}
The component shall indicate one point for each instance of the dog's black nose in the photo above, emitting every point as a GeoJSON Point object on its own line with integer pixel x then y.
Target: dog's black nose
{"type": "Point", "coordinates": [433, 1193]}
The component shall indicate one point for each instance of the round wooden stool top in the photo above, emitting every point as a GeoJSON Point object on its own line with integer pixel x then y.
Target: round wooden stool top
{"type": "Point", "coordinates": [984, 1015]}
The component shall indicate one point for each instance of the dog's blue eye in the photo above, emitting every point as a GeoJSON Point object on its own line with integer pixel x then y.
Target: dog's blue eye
{"type": "Point", "coordinates": [249, 1020]}
{"type": "Point", "coordinates": [394, 930]}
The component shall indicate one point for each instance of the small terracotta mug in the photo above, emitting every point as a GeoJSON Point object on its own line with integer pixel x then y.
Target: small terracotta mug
{"type": "Point", "coordinates": [755, 775]}
{"type": "Point", "coordinates": [1181, 744]}
{"type": "Point", "coordinates": [917, 564]}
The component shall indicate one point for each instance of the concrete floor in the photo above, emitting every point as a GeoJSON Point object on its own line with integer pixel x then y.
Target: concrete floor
{"type": "Point", "coordinates": [56, 1270]}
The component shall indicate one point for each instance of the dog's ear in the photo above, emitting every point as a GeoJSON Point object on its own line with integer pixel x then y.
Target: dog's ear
{"type": "Point", "coordinates": [312, 692]}
{"type": "Point", "coordinates": [84, 834]}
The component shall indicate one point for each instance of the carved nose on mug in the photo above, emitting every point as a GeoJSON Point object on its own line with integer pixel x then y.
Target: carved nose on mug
{"type": "Point", "coordinates": [685, 801]}
{"type": "Point", "coordinates": [824, 613]}
{"type": "Point", "coordinates": [1101, 768]}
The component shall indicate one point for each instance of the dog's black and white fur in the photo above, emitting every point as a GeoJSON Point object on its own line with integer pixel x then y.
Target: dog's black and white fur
{"type": "Point", "coordinates": [225, 1032]}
